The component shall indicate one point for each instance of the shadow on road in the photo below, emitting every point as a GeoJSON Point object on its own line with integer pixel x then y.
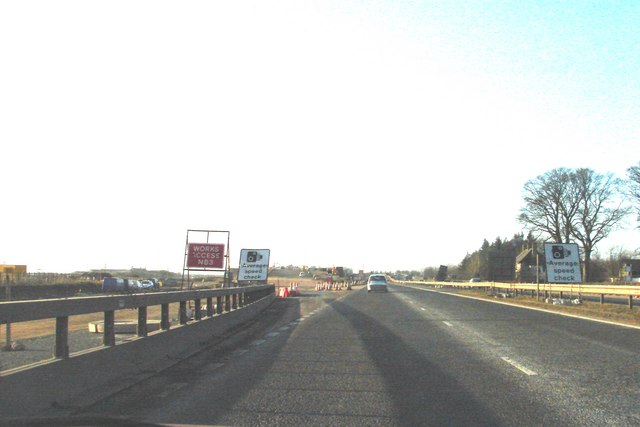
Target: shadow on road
{"type": "Point", "coordinates": [422, 393]}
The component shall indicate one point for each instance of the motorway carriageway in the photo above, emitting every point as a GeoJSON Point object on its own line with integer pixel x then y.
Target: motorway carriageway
{"type": "Point", "coordinates": [408, 357]}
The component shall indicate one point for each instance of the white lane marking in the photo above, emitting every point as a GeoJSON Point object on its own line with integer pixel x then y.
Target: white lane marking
{"type": "Point", "coordinates": [273, 334]}
{"type": "Point", "coordinates": [239, 352]}
{"type": "Point", "coordinates": [519, 366]}
{"type": "Point", "coordinates": [447, 323]}
{"type": "Point", "coordinates": [559, 313]}
{"type": "Point", "coordinates": [284, 328]}
{"type": "Point", "coordinates": [423, 309]}
{"type": "Point", "coordinates": [258, 342]}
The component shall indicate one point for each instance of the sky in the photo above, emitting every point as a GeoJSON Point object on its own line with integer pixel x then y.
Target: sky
{"type": "Point", "coordinates": [375, 135]}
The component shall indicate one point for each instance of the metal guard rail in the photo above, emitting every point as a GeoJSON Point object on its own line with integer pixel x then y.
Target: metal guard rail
{"type": "Point", "coordinates": [620, 290]}
{"type": "Point", "coordinates": [227, 299]}
{"type": "Point", "coordinates": [628, 291]}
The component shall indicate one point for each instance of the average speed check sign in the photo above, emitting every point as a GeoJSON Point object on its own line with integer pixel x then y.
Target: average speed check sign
{"type": "Point", "coordinates": [254, 265]}
{"type": "Point", "coordinates": [563, 263]}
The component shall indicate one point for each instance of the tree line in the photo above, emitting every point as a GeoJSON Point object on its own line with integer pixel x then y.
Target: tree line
{"type": "Point", "coordinates": [561, 206]}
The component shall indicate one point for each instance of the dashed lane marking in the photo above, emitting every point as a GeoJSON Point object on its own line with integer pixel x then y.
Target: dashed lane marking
{"type": "Point", "coordinates": [519, 366]}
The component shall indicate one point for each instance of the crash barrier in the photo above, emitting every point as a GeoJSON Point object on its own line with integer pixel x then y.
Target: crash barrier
{"type": "Point", "coordinates": [227, 299]}
{"type": "Point", "coordinates": [544, 290]}
{"type": "Point", "coordinates": [88, 376]}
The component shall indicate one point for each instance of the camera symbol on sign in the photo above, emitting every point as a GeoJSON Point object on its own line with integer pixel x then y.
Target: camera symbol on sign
{"type": "Point", "coordinates": [253, 256]}
{"type": "Point", "coordinates": [560, 252]}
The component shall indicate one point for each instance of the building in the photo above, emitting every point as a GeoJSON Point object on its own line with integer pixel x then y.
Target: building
{"type": "Point", "coordinates": [630, 271]}
{"type": "Point", "coordinates": [526, 266]}
{"type": "Point", "coordinates": [12, 270]}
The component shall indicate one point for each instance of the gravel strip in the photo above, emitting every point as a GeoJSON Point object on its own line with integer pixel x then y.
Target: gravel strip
{"type": "Point", "coordinates": [41, 348]}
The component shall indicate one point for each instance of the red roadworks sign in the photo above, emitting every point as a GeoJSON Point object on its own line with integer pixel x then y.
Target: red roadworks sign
{"type": "Point", "coordinates": [205, 255]}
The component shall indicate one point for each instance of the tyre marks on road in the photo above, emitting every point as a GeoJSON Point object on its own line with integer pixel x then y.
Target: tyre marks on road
{"type": "Point", "coordinates": [272, 334]}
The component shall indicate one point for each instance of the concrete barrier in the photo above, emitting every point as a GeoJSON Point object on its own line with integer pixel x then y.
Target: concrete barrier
{"type": "Point", "coordinates": [86, 377]}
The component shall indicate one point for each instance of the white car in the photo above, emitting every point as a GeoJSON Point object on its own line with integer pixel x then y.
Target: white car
{"type": "Point", "coordinates": [147, 284]}
{"type": "Point", "coordinates": [377, 283]}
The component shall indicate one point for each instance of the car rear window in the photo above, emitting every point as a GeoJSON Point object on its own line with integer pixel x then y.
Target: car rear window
{"type": "Point", "coordinates": [378, 278]}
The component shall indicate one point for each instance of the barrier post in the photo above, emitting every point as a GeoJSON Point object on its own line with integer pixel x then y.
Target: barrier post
{"type": "Point", "coordinates": [109, 337]}
{"type": "Point", "coordinates": [183, 313]}
{"type": "Point", "coordinates": [61, 349]}
{"type": "Point", "coordinates": [7, 337]}
{"type": "Point", "coordinates": [219, 305]}
{"type": "Point", "coordinates": [209, 306]}
{"type": "Point", "coordinates": [164, 317]}
{"type": "Point", "coordinates": [198, 309]}
{"type": "Point", "coordinates": [142, 321]}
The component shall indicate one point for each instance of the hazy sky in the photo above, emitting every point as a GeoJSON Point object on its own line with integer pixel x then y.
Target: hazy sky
{"type": "Point", "coordinates": [370, 134]}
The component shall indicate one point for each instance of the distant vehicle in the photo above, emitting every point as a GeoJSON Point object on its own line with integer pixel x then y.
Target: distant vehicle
{"type": "Point", "coordinates": [377, 283]}
{"type": "Point", "coordinates": [114, 284]}
{"type": "Point", "coordinates": [475, 280]}
{"type": "Point", "coordinates": [147, 284]}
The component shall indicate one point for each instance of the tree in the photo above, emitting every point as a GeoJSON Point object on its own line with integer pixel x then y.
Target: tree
{"type": "Point", "coordinates": [599, 210]}
{"type": "Point", "coordinates": [634, 186]}
{"type": "Point", "coordinates": [550, 205]}
{"type": "Point", "coordinates": [578, 204]}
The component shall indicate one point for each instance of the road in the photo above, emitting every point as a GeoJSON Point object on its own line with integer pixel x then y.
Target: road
{"type": "Point", "coordinates": [408, 357]}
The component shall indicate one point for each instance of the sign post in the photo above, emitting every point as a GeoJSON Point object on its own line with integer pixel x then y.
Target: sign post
{"type": "Point", "coordinates": [201, 254]}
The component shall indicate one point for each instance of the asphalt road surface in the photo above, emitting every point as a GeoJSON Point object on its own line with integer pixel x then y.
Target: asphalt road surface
{"type": "Point", "coordinates": [408, 357]}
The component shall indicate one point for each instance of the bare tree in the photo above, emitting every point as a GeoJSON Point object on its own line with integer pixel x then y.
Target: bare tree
{"type": "Point", "coordinates": [550, 205]}
{"type": "Point", "coordinates": [599, 210]}
{"type": "Point", "coordinates": [579, 204]}
{"type": "Point", "coordinates": [634, 186]}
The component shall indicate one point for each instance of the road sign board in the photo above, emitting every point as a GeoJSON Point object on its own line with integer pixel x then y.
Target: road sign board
{"type": "Point", "coordinates": [205, 255]}
{"type": "Point", "coordinates": [254, 265]}
{"type": "Point", "coordinates": [562, 262]}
